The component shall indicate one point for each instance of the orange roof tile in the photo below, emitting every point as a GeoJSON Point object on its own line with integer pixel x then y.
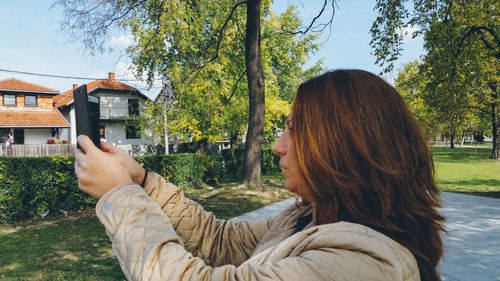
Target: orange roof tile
{"type": "Point", "coordinates": [63, 99]}
{"type": "Point", "coordinates": [67, 97]}
{"type": "Point", "coordinates": [12, 84]}
{"type": "Point", "coordinates": [108, 84]}
{"type": "Point", "coordinates": [32, 118]}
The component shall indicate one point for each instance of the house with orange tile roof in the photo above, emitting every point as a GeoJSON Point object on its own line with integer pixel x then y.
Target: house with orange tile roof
{"type": "Point", "coordinates": [117, 102]}
{"type": "Point", "coordinates": [27, 111]}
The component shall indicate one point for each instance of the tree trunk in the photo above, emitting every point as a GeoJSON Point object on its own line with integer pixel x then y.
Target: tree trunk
{"type": "Point", "coordinates": [452, 138]}
{"type": "Point", "coordinates": [495, 154]}
{"type": "Point", "coordinates": [256, 95]}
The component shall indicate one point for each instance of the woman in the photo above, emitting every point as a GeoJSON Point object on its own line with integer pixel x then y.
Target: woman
{"type": "Point", "coordinates": [351, 150]}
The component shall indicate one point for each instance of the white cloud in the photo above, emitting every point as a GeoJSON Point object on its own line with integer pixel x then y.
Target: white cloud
{"type": "Point", "coordinates": [121, 42]}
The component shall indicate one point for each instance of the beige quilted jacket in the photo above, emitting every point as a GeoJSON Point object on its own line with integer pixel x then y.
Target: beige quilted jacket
{"type": "Point", "coordinates": [158, 234]}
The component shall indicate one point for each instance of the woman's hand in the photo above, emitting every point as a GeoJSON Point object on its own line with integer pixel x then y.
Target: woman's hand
{"type": "Point", "coordinates": [98, 171]}
{"type": "Point", "coordinates": [136, 171]}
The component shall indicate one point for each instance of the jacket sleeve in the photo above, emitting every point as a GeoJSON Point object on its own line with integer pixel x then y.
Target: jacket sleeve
{"type": "Point", "coordinates": [214, 240]}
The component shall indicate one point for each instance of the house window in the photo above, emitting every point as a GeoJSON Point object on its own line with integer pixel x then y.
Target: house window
{"type": "Point", "coordinates": [132, 131]}
{"type": "Point", "coordinates": [102, 132]}
{"type": "Point", "coordinates": [9, 100]}
{"type": "Point", "coordinates": [30, 101]}
{"type": "Point", "coordinates": [133, 107]}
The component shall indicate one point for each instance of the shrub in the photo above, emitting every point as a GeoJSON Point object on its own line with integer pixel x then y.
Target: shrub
{"type": "Point", "coordinates": [183, 170]}
{"type": "Point", "coordinates": [214, 165]}
{"type": "Point", "coordinates": [35, 186]}
{"type": "Point", "coordinates": [233, 162]}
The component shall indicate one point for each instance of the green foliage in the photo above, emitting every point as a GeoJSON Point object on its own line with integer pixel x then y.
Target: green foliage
{"type": "Point", "coordinates": [439, 109]}
{"type": "Point", "coordinates": [206, 50]}
{"type": "Point", "coordinates": [37, 186]}
{"type": "Point", "coordinates": [270, 162]}
{"type": "Point", "coordinates": [199, 47]}
{"type": "Point", "coordinates": [233, 161]}
{"type": "Point", "coordinates": [457, 26]}
{"type": "Point", "coordinates": [214, 169]}
{"type": "Point", "coordinates": [460, 67]}
{"type": "Point", "coordinates": [183, 170]}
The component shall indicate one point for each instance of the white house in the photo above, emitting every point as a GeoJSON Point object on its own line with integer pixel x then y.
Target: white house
{"type": "Point", "coordinates": [117, 102]}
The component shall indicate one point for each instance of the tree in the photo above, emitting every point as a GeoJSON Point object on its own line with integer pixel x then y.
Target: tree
{"type": "Point", "coordinates": [438, 109]}
{"type": "Point", "coordinates": [462, 40]}
{"type": "Point", "coordinates": [411, 85]}
{"type": "Point", "coordinates": [188, 41]}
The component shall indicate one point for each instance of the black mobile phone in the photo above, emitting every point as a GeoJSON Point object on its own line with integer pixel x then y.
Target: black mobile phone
{"type": "Point", "coordinates": [87, 114]}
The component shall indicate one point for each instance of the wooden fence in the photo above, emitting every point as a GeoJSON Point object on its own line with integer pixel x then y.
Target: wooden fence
{"type": "Point", "coordinates": [38, 150]}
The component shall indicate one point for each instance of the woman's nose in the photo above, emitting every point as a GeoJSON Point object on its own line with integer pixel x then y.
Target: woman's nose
{"type": "Point", "coordinates": [278, 147]}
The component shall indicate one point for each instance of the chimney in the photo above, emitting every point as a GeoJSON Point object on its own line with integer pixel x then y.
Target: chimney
{"type": "Point", "coordinates": [111, 75]}
{"type": "Point", "coordinates": [75, 86]}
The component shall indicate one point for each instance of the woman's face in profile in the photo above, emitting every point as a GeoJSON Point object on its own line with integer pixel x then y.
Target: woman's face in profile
{"type": "Point", "coordinates": [285, 148]}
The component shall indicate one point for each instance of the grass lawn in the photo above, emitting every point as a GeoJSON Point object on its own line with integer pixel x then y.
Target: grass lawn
{"type": "Point", "coordinates": [467, 170]}
{"type": "Point", "coordinates": [75, 246]}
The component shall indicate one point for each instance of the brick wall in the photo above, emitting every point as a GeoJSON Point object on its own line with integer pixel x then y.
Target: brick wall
{"type": "Point", "coordinates": [43, 102]}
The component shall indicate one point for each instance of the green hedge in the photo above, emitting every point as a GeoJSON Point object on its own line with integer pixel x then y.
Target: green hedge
{"type": "Point", "coordinates": [185, 170]}
{"type": "Point", "coordinates": [35, 186]}
{"type": "Point", "coordinates": [233, 162]}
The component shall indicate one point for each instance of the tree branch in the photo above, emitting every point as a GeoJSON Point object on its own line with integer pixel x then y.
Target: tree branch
{"type": "Point", "coordinates": [479, 30]}
{"type": "Point", "coordinates": [226, 100]}
{"type": "Point", "coordinates": [219, 40]}
{"type": "Point", "coordinates": [95, 20]}
{"type": "Point", "coordinates": [311, 26]}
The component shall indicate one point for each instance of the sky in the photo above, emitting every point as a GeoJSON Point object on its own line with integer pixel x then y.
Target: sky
{"type": "Point", "coordinates": [32, 41]}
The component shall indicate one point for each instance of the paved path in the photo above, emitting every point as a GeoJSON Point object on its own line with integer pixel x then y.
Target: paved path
{"type": "Point", "coordinates": [472, 245]}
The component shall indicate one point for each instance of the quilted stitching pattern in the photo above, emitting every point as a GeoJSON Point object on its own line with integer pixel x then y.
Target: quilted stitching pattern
{"type": "Point", "coordinates": [148, 248]}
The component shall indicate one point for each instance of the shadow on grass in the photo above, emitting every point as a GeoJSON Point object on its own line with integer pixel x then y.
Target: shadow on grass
{"type": "Point", "coordinates": [68, 250]}
{"type": "Point", "coordinates": [473, 183]}
{"type": "Point", "coordinates": [226, 209]}
{"type": "Point", "coordinates": [463, 155]}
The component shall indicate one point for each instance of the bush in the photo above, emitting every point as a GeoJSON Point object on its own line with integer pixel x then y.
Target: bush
{"type": "Point", "coordinates": [233, 160]}
{"type": "Point", "coordinates": [183, 170]}
{"type": "Point", "coordinates": [35, 186]}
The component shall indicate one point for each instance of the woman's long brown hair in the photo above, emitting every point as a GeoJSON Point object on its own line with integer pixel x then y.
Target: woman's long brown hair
{"type": "Point", "coordinates": [365, 159]}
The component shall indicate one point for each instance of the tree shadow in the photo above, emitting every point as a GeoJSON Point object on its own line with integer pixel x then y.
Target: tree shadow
{"type": "Point", "coordinates": [69, 250]}
{"type": "Point", "coordinates": [464, 155]}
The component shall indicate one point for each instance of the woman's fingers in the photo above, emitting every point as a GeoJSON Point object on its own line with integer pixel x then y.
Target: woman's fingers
{"type": "Point", "coordinates": [106, 147]}
{"type": "Point", "coordinates": [86, 144]}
